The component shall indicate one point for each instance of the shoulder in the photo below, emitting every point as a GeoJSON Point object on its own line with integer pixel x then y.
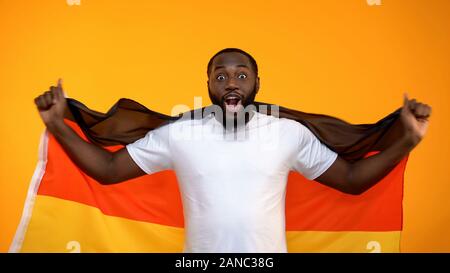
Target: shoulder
{"type": "Point", "coordinates": [181, 122]}
{"type": "Point", "coordinates": [285, 124]}
{"type": "Point", "coordinates": [263, 119]}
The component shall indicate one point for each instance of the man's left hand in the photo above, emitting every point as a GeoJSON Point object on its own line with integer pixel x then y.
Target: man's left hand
{"type": "Point", "coordinates": [414, 116]}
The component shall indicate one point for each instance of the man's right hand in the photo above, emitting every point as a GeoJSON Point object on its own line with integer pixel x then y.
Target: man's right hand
{"type": "Point", "coordinates": [51, 105]}
{"type": "Point", "coordinates": [102, 165]}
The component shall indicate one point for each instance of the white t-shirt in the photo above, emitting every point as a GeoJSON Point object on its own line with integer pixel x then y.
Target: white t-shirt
{"type": "Point", "coordinates": [233, 184]}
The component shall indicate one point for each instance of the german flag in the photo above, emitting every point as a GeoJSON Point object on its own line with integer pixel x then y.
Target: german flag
{"type": "Point", "coordinates": [68, 211]}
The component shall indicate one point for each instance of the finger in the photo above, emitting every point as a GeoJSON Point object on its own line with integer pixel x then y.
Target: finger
{"type": "Point", "coordinates": [418, 111]}
{"type": "Point", "coordinates": [426, 111]}
{"type": "Point", "coordinates": [40, 102]}
{"type": "Point", "coordinates": [57, 91]}
{"type": "Point", "coordinates": [405, 100]}
{"type": "Point", "coordinates": [423, 111]}
{"type": "Point", "coordinates": [36, 101]}
{"type": "Point", "coordinates": [429, 110]}
{"type": "Point", "coordinates": [412, 104]}
{"type": "Point", "coordinates": [55, 94]}
{"type": "Point", "coordinates": [48, 97]}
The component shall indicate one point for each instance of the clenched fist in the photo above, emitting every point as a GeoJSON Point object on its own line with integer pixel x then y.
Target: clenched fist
{"type": "Point", "coordinates": [52, 104]}
{"type": "Point", "coordinates": [415, 117]}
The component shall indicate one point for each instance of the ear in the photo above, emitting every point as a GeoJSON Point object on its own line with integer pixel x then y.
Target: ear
{"type": "Point", "coordinates": [257, 85]}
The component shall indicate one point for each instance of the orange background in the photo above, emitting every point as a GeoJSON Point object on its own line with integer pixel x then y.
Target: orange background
{"type": "Point", "coordinates": [343, 58]}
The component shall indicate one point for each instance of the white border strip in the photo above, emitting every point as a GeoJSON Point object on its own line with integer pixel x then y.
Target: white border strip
{"type": "Point", "coordinates": [17, 242]}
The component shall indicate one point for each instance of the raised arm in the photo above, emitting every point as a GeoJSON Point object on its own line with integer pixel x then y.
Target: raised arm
{"type": "Point", "coordinates": [104, 166]}
{"type": "Point", "coordinates": [361, 175]}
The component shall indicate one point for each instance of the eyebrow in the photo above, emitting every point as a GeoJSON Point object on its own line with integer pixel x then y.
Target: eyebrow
{"type": "Point", "coordinates": [222, 66]}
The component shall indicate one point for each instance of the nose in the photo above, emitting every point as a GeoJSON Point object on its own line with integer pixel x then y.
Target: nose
{"type": "Point", "coordinates": [231, 85]}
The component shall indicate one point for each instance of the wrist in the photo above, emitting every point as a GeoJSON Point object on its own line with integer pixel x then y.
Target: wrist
{"type": "Point", "coordinates": [55, 125]}
{"type": "Point", "coordinates": [410, 140]}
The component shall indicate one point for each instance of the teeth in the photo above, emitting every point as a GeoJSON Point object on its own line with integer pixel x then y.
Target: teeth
{"type": "Point", "coordinates": [232, 98]}
{"type": "Point", "coordinates": [232, 101]}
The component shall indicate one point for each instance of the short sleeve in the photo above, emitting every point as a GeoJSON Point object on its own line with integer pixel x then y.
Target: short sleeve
{"type": "Point", "coordinates": [313, 157]}
{"type": "Point", "coordinates": [152, 152]}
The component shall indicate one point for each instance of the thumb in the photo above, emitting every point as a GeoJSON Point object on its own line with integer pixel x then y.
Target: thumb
{"type": "Point", "coordinates": [58, 94]}
{"type": "Point", "coordinates": [405, 102]}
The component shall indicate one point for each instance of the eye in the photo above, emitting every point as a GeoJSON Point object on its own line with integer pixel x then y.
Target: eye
{"type": "Point", "coordinates": [220, 77]}
{"type": "Point", "coordinates": [242, 76]}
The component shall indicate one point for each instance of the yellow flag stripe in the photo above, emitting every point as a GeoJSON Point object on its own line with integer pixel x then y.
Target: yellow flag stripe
{"type": "Point", "coordinates": [59, 225]}
{"type": "Point", "coordinates": [344, 241]}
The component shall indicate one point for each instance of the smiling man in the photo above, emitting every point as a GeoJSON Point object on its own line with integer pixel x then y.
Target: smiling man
{"type": "Point", "coordinates": [233, 188]}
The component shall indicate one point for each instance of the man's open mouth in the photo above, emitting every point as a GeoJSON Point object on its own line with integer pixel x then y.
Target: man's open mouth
{"type": "Point", "coordinates": [233, 103]}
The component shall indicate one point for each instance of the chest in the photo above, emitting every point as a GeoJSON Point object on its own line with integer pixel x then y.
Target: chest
{"type": "Point", "coordinates": [224, 155]}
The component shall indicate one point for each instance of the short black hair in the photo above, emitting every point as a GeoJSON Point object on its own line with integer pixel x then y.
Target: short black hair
{"type": "Point", "coordinates": [232, 49]}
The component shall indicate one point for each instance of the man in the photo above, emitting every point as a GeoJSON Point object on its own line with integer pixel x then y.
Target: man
{"type": "Point", "coordinates": [233, 178]}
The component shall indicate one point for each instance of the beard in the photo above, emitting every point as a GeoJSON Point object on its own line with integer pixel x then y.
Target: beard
{"type": "Point", "coordinates": [234, 116]}
{"type": "Point", "coordinates": [220, 101]}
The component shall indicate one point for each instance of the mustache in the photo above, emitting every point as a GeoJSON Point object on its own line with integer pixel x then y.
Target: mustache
{"type": "Point", "coordinates": [232, 94]}
{"type": "Point", "coordinates": [220, 100]}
